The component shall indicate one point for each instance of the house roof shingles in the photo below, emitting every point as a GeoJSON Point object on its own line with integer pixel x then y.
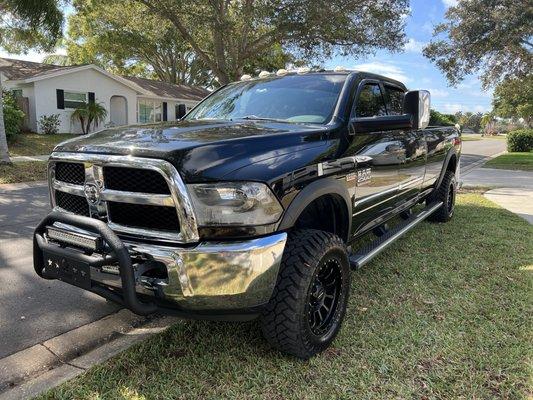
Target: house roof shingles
{"type": "Point", "coordinates": [14, 69]}
{"type": "Point", "coordinates": [164, 89]}
{"type": "Point", "coordinates": [20, 69]}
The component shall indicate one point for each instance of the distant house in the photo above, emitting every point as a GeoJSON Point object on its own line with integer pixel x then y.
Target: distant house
{"type": "Point", "coordinates": [45, 89]}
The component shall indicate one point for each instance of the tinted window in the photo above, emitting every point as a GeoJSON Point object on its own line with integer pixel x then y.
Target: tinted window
{"type": "Point", "coordinates": [370, 101]}
{"type": "Point", "coordinates": [293, 98]}
{"type": "Point", "coordinates": [394, 97]}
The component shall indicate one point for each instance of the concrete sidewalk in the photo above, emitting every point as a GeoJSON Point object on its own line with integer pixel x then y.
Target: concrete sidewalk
{"type": "Point", "coordinates": [498, 178]}
{"type": "Point", "coordinates": [516, 200]}
{"type": "Point", "coordinates": [513, 189]}
{"type": "Point", "coordinates": [29, 158]}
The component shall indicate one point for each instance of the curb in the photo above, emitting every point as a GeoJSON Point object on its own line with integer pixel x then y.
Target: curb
{"type": "Point", "coordinates": [77, 366]}
{"type": "Point", "coordinates": [46, 355]}
{"type": "Point", "coordinates": [17, 159]}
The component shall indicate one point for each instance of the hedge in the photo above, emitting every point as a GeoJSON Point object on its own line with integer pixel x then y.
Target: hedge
{"type": "Point", "coordinates": [520, 140]}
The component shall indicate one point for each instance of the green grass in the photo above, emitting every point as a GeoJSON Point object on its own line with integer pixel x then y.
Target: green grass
{"type": "Point", "coordinates": [32, 144]}
{"type": "Point", "coordinates": [445, 313]}
{"type": "Point", "coordinates": [520, 161]}
{"type": "Point", "coordinates": [23, 172]}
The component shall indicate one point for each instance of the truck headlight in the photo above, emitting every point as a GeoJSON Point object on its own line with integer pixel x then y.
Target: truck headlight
{"type": "Point", "coordinates": [234, 203]}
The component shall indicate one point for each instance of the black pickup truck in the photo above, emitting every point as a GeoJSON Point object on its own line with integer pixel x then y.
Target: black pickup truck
{"type": "Point", "coordinates": [253, 205]}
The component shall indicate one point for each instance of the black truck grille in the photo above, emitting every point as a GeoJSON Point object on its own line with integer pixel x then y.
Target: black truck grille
{"type": "Point", "coordinates": [70, 172]}
{"type": "Point", "coordinates": [135, 180]}
{"type": "Point", "coordinates": [144, 216]}
{"type": "Point", "coordinates": [72, 203]}
{"type": "Point", "coordinates": [122, 211]}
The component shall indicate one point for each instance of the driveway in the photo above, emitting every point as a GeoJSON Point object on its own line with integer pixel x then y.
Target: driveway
{"type": "Point", "coordinates": [32, 309]}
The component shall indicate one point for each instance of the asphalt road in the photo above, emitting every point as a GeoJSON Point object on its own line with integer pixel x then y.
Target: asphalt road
{"type": "Point", "coordinates": [32, 309]}
{"type": "Point", "coordinates": [476, 150]}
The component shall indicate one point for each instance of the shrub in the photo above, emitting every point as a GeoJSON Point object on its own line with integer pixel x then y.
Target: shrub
{"type": "Point", "coordinates": [520, 140]}
{"type": "Point", "coordinates": [439, 119]}
{"type": "Point", "coordinates": [13, 116]}
{"type": "Point", "coordinates": [49, 124]}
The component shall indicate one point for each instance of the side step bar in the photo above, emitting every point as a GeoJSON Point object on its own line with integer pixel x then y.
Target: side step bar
{"type": "Point", "coordinates": [367, 253]}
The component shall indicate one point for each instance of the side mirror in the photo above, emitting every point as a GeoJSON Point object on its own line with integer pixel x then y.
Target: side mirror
{"type": "Point", "coordinates": [417, 103]}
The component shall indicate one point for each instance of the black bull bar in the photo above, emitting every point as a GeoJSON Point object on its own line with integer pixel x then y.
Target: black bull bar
{"type": "Point", "coordinates": [118, 253]}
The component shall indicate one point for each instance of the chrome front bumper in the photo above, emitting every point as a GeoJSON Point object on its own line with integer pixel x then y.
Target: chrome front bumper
{"type": "Point", "coordinates": [208, 276]}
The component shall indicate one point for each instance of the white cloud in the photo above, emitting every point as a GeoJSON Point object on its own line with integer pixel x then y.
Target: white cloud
{"type": "Point", "coordinates": [381, 68]}
{"type": "Point", "coordinates": [439, 92]}
{"type": "Point", "coordinates": [414, 46]}
{"type": "Point", "coordinates": [450, 3]}
{"type": "Point", "coordinates": [452, 108]}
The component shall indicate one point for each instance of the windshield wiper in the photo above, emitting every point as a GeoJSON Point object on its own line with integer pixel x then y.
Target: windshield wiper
{"type": "Point", "coordinates": [255, 117]}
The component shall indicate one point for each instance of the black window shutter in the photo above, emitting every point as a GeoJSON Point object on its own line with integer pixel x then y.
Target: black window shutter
{"type": "Point", "coordinates": [60, 96]}
{"type": "Point", "coordinates": [165, 113]}
{"type": "Point", "coordinates": [181, 111]}
{"type": "Point", "coordinates": [91, 97]}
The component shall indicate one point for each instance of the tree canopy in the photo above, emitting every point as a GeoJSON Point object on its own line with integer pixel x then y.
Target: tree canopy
{"type": "Point", "coordinates": [513, 98]}
{"type": "Point", "coordinates": [469, 120]}
{"type": "Point", "coordinates": [490, 37]}
{"type": "Point", "coordinates": [126, 39]}
{"type": "Point", "coordinates": [26, 24]}
{"type": "Point", "coordinates": [227, 35]}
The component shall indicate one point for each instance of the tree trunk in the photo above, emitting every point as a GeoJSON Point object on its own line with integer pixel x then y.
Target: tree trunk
{"type": "Point", "coordinates": [4, 154]}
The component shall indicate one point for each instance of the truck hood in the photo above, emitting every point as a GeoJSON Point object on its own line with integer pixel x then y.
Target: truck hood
{"type": "Point", "coordinates": [201, 150]}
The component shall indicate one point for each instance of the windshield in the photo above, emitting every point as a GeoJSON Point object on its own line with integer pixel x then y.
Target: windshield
{"type": "Point", "coordinates": [294, 98]}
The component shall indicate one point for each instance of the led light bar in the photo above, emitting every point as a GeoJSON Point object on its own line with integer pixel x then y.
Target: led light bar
{"type": "Point", "coordinates": [75, 239]}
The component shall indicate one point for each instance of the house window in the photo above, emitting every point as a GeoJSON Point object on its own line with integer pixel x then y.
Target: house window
{"type": "Point", "coordinates": [149, 111]}
{"type": "Point", "coordinates": [75, 99]}
{"type": "Point", "coordinates": [17, 93]}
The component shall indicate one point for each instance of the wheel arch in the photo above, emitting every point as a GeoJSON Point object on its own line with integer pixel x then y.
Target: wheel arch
{"type": "Point", "coordinates": [450, 164]}
{"type": "Point", "coordinates": [324, 189]}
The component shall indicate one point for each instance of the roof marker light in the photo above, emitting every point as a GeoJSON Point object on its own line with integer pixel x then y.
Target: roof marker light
{"type": "Point", "coordinates": [282, 72]}
{"type": "Point", "coordinates": [303, 70]}
{"type": "Point", "coordinates": [339, 68]}
{"type": "Point", "coordinates": [246, 77]}
{"type": "Point", "coordinates": [264, 74]}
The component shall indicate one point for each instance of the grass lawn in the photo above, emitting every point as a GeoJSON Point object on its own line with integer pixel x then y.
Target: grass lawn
{"type": "Point", "coordinates": [32, 144]}
{"type": "Point", "coordinates": [23, 172]}
{"type": "Point", "coordinates": [521, 161]}
{"type": "Point", "coordinates": [444, 313]}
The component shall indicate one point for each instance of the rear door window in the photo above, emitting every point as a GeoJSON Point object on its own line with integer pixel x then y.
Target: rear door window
{"type": "Point", "coordinates": [394, 97]}
{"type": "Point", "coordinates": [370, 102]}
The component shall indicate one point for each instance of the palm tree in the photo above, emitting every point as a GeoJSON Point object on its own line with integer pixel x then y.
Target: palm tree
{"type": "Point", "coordinates": [89, 114]}
{"type": "Point", "coordinates": [32, 23]}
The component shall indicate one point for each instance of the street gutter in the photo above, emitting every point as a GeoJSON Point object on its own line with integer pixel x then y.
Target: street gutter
{"type": "Point", "coordinates": [47, 364]}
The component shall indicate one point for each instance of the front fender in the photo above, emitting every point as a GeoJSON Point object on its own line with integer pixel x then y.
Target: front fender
{"type": "Point", "coordinates": [311, 192]}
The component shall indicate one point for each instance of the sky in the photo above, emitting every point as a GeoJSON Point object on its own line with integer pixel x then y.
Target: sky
{"type": "Point", "coordinates": [408, 66]}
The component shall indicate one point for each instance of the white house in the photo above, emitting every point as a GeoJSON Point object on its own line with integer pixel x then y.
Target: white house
{"type": "Point", "coordinates": [50, 89]}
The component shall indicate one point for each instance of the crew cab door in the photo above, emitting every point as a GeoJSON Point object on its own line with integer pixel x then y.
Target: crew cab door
{"type": "Point", "coordinates": [377, 154]}
{"type": "Point", "coordinates": [412, 147]}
